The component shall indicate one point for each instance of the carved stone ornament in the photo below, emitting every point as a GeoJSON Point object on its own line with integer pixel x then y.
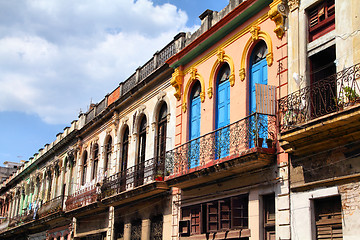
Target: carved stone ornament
{"type": "Point", "coordinates": [202, 97]}
{"type": "Point", "coordinates": [184, 107]}
{"type": "Point", "coordinates": [141, 109]}
{"type": "Point", "coordinates": [210, 92]}
{"type": "Point", "coordinates": [269, 59]}
{"type": "Point", "coordinates": [293, 4]}
{"type": "Point", "coordinates": [193, 73]}
{"type": "Point", "coordinates": [125, 120]}
{"type": "Point", "coordinates": [276, 14]}
{"type": "Point", "coordinates": [177, 81]}
{"type": "Point", "coordinates": [232, 80]}
{"type": "Point", "coordinates": [254, 30]}
{"type": "Point", "coordinates": [220, 55]}
{"type": "Point", "coordinates": [242, 74]}
{"type": "Point", "coordinates": [161, 95]}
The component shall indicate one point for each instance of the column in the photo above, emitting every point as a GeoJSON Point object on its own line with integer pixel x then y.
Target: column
{"type": "Point", "coordinates": [12, 206]}
{"type": "Point", "coordinates": [36, 192]}
{"type": "Point", "coordinates": [254, 213]}
{"type": "Point", "coordinates": [42, 186]}
{"type": "Point", "coordinates": [127, 231]}
{"type": "Point", "coordinates": [145, 229]}
{"type": "Point", "coordinates": [21, 202]}
{"type": "Point", "coordinates": [69, 182]}
{"type": "Point", "coordinates": [110, 232]}
{"type": "Point", "coordinates": [53, 183]}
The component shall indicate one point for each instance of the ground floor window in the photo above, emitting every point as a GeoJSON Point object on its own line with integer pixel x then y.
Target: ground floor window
{"type": "Point", "coordinates": [156, 228]}
{"type": "Point", "coordinates": [136, 230]}
{"type": "Point", "coordinates": [218, 215]}
{"type": "Point", "coordinates": [328, 218]}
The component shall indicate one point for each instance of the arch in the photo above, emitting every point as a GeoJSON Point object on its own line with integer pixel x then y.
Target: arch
{"type": "Point", "coordinates": [162, 99]}
{"type": "Point", "coordinates": [256, 34]}
{"type": "Point", "coordinates": [194, 76]}
{"type": "Point", "coordinates": [222, 57]}
{"type": "Point", "coordinates": [138, 117]}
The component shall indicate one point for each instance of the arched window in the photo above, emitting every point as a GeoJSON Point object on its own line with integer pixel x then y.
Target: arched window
{"type": "Point", "coordinates": [125, 149]}
{"type": "Point", "coordinates": [124, 159]}
{"type": "Point", "coordinates": [161, 134]}
{"type": "Point", "coordinates": [141, 152]}
{"type": "Point", "coordinates": [222, 111]}
{"type": "Point", "coordinates": [194, 128]}
{"type": "Point", "coordinates": [108, 151]}
{"type": "Point", "coordinates": [85, 162]}
{"type": "Point", "coordinates": [96, 161]}
{"type": "Point", "coordinates": [258, 75]}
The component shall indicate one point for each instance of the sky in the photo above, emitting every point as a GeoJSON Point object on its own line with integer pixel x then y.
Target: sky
{"type": "Point", "coordinates": [58, 56]}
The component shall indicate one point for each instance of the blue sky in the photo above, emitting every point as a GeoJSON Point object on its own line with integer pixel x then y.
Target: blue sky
{"type": "Point", "coordinates": [57, 56]}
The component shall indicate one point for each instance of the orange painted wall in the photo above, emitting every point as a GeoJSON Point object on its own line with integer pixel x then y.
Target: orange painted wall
{"type": "Point", "coordinates": [277, 75]}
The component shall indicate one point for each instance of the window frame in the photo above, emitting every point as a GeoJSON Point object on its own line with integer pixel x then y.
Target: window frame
{"type": "Point", "coordinates": [95, 161]}
{"type": "Point", "coordinates": [201, 211]}
{"type": "Point", "coordinates": [324, 26]}
{"type": "Point", "coordinates": [84, 169]}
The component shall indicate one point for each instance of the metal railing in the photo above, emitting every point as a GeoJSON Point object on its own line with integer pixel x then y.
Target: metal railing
{"type": "Point", "coordinates": [326, 96]}
{"type": "Point", "coordinates": [142, 173]}
{"type": "Point", "coordinates": [256, 130]}
{"type": "Point", "coordinates": [81, 198]}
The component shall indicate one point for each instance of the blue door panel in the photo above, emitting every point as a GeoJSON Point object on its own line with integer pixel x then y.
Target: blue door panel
{"type": "Point", "coordinates": [258, 74]}
{"type": "Point", "coordinates": [222, 119]}
{"type": "Point", "coordinates": [195, 116]}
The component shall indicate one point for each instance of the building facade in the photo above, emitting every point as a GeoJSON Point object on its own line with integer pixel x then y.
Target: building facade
{"type": "Point", "coordinates": [319, 118]}
{"type": "Point", "coordinates": [247, 128]}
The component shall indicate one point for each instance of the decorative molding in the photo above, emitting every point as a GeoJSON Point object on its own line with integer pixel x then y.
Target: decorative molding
{"type": "Point", "coordinates": [254, 30]}
{"type": "Point", "coordinates": [293, 4]}
{"type": "Point", "coordinates": [269, 56]}
{"type": "Point", "coordinates": [221, 57]}
{"type": "Point", "coordinates": [177, 81]}
{"type": "Point", "coordinates": [194, 75]}
{"type": "Point", "coordinates": [141, 109]}
{"type": "Point", "coordinates": [184, 107]}
{"type": "Point", "coordinates": [161, 95]}
{"type": "Point", "coordinates": [276, 14]}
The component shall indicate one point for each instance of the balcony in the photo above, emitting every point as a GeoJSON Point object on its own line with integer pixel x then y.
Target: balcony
{"type": "Point", "coordinates": [142, 180]}
{"type": "Point", "coordinates": [50, 207]}
{"type": "Point", "coordinates": [245, 145]}
{"type": "Point", "coordinates": [312, 117]}
{"type": "Point", "coordinates": [81, 198]}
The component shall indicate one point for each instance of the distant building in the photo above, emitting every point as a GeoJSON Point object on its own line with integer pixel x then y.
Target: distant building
{"type": "Point", "coordinates": [10, 168]}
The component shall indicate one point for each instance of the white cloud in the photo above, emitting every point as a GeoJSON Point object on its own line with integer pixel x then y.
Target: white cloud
{"type": "Point", "coordinates": [57, 55]}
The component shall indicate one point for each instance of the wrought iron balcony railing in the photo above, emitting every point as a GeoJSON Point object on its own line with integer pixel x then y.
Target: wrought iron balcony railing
{"type": "Point", "coordinates": [256, 130]}
{"type": "Point", "coordinates": [326, 96]}
{"type": "Point", "coordinates": [143, 173]}
{"type": "Point", "coordinates": [81, 198]}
